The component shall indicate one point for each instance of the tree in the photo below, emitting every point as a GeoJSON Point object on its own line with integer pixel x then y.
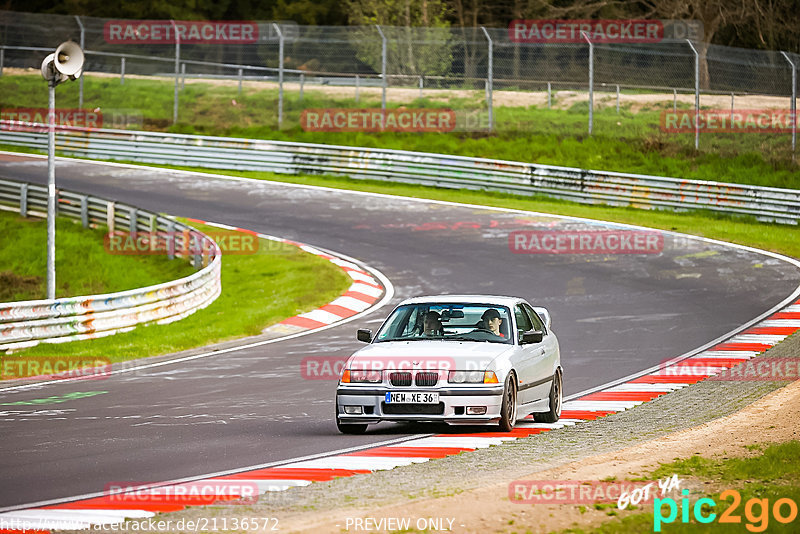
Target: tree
{"type": "Point", "coordinates": [418, 41]}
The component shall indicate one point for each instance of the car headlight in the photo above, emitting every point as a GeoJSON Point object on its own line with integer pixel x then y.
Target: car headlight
{"type": "Point", "coordinates": [465, 377]}
{"type": "Point", "coordinates": [361, 376]}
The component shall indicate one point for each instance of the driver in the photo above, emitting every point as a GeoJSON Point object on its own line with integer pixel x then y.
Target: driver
{"type": "Point", "coordinates": [491, 321]}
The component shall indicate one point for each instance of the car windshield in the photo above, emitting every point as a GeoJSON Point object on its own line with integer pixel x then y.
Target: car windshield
{"type": "Point", "coordinates": [448, 322]}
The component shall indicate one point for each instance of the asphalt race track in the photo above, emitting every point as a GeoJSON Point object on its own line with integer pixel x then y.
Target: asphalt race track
{"type": "Point", "coordinates": [614, 315]}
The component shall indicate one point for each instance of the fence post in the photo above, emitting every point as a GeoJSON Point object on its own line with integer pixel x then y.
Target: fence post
{"type": "Point", "coordinates": [240, 81]}
{"type": "Point", "coordinates": [674, 100]}
{"type": "Point", "coordinates": [85, 211]}
{"type": "Point", "coordinates": [731, 108]}
{"type": "Point", "coordinates": [489, 79]}
{"type": "Point", "coordinates": [793, 106]}
{"type": "Point", "coordinates": [133, 216]}
{"type": "Point", "coordinates": [170, 240]}
{"type": "Point", "coordinates": [696, 95]}
{"type": "Point", "coordinates": [549, 96]}
{"type": "Point", "coordinates": [110, 217]}
{"type": "Point", "coordinates": [23, 200]}
{"type": "Point", "coordinates": [591, 81]}
{"type": "Point", "coordinates": [2, 58]}
{"type": "Point", "coordinates": [177, 71]}
{"type": "Point", "coordinates": [83, 47]}
{"type": "Point", "coordinates": [302, 83]}
{"type": "Point", "coordinates": [183, 75]}
{"type": "Point", "coordinates": [356, 88]}
{"type": "Point", "coordinates": [617, 99]}
{"type": "Point", "coordinates": [420, 87]}
{"type": "Point", "coordinates": [383, 66]}
{"type": "Point", "coordinates": [122, 71]}
{"type": "Point", "coordinates": [280, 73]}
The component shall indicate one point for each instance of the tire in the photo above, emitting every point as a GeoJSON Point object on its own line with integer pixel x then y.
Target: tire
{"type": "Point", "coordinates": [556, 399]}
{"type": "Point", "coordinates": [508, 409]}
{"type": "Point", "coordinates": [358, 428]}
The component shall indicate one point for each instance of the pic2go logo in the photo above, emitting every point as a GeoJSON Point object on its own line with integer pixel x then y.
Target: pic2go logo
{"type": "Point", "coordinates": [756, 511]}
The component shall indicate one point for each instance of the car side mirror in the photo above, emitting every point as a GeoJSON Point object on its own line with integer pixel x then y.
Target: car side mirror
{"type": "Point", "coordinates": [532, 336]}
{"type": "Point", "coordinates": [364, 334]}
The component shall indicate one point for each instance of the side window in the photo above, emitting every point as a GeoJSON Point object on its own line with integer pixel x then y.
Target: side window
{"type": "Point", "coordinates": [523, 322]}
{"type": "Point", "coordinates": [538, 324]}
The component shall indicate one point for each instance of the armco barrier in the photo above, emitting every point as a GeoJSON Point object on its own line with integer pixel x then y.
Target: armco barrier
{"type": "Point", "coordinates": [27, 323]}
{"type": "Point", "coordinates": [579, 185]}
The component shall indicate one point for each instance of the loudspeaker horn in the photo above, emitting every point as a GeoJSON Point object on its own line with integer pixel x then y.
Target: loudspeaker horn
{"type": "Point", "coordinates": [69, 59]}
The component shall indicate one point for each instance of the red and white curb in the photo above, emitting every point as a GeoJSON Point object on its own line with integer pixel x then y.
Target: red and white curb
{"type": "Point", "coordinates": [364, 292]}
{"type": "Point", "coordinates": [110, 509]}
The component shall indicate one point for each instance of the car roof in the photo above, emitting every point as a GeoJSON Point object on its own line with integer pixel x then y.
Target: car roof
{"type": "Point", "coordinates": [464, 299]}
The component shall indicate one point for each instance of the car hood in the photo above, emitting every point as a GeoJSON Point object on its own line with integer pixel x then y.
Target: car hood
{"type": "Point", "coordinates": [447, 355]}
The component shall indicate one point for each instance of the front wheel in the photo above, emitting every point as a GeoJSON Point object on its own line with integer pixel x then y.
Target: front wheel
{"type": "Point", "coordinates": [556, 396]}
{"type": "Point", "coordinates": [508, 410]}
{"type": "Point", "coordinates": [345, 428]}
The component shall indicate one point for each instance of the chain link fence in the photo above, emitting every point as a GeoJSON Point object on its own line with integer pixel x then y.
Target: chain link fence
{"type": "Point", "coordinates": [580, 88]}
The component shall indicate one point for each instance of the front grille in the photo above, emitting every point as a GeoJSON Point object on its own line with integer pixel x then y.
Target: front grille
{"type": "Point", "coordinates": [400, 378]}
{"type": "Point", "coordinates": [427, 378]}
{"type": "Point", "coordinates": [413, 409]}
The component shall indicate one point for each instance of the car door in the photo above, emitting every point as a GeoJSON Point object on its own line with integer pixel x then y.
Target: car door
{"type": "Point", "coordinates": [533, 364]}
{"type": "Point", "coordinates": [551, 357]}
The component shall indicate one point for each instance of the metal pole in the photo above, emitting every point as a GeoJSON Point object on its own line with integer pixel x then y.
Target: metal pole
{"type": "Point", "coordinates": [696, 96]}
{"type": "Point", "coordinates": [420, 86]}
{"type": "Point", "coordinates": [2, 59]}
{"type": "Point", "coordinates": [240, 81]}
{"type": "Point", "coordinates": [280, 73]}
{"type": "Point", "coordinates": [51, 191]}
{"type": "Point", "coordinates": [591, 81]}
{"type": "Point", "coordinates": [302, 83]}
{"type": "Point", "coordinates": [674, 100]}
{"type": "Point", "coordinates": [83, 47]}
{"type": "Point", "coordinates": [489, 79]}
{"type": "Point", "coordinates": [793, 105]}
{"type": "Point", "coordinates": [383, 66]}
{"type": "Point", "coordinates": [549, 96]}
{"type": "Point", "coordinates": [731, 109]}
{"type": "Point", "coordinates": [357, 88]}
{"type": "Point", "coordinates": [617, 99]}
{"type": "Point", "coordinates": [122, 71]}
{"type": "Point", "coordinates": [177, 71]}
{"type": "Point", "coordinates": [183, 75]}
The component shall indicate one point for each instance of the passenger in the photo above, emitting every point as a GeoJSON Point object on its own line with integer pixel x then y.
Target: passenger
{"type": "Point", "coordinates": [433, 325]}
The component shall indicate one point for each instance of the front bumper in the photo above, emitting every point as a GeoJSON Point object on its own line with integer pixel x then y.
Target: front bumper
{"type": "Point", "coordinates": [453, 403]}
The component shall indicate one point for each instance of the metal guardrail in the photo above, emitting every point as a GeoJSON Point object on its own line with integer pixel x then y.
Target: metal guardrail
{"type": "Point", "coordinates": [27, 323]}
{"type": "Point", "coordinates": [578, 185]}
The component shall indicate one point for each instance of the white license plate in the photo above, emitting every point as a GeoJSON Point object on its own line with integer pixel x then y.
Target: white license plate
{"type": "Point", "coordinates": [412, 397]}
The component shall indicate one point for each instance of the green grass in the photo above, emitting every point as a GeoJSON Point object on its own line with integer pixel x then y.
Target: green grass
{"type": "Point", "coordinates": [257, 290]}
{"type": "Point", "coordinates": [625, 142]}
{"type": "Point", "coordinates": [772, 475]}
{"type": "Point", "coordinates": [83, 267]}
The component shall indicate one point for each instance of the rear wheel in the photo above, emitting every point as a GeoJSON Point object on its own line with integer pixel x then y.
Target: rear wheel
{"type": "Point", "coordinates": [556, 395]}
{"type": "Point", "coordinates": [508, 410]}
{"type": "Point", "coordinates": [345, 428]}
